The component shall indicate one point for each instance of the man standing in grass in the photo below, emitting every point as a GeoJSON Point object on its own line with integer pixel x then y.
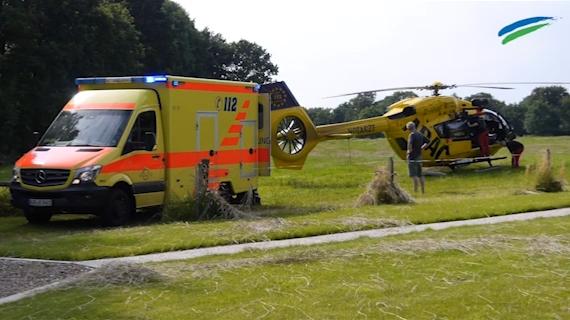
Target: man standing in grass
{"type": "Point", "coordinates": [416, 142]}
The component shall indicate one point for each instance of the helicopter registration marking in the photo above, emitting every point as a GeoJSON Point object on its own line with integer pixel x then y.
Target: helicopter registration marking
{"type": "Point", "coordinates": [362, 129]}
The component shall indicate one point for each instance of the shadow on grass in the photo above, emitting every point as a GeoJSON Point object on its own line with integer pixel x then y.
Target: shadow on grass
{"type": "Point", "coordinates": [76, 223]}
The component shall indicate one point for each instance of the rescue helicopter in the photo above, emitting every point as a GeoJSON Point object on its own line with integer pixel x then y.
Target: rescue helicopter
{"type": "Point", "coordinates": [444, 120]}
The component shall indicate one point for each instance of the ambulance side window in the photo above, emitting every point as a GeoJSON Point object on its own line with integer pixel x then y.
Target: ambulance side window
{"type": "Point", "coordinates": [143, 134]}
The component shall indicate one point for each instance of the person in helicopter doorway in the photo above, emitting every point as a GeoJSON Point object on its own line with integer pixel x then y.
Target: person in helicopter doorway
{"type": "Point", "coordinates": [480, 131]}
{"type": "Point", "coordinates": [516, 149]}
{"type": "Point", "coordinates": [416, 142]}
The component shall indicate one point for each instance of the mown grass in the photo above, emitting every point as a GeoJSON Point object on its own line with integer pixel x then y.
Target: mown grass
{"type": "Point", "coordinates": [316, 200]}
{"type": "Point", "coordinates": [5, 172]}
{"type": "Point", "coordinates": [507, 271]}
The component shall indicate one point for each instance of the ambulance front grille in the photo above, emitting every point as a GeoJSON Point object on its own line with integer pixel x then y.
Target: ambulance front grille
{"type": "Point", "coordinates": [44, 177]}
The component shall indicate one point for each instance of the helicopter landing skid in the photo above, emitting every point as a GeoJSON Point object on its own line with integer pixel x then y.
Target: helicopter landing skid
{"type": "Point", "coordinates": [455, 163]}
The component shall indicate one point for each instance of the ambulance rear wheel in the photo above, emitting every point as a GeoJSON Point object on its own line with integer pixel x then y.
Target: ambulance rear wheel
{"type": "Point", "coordinates": [37, 216]}
{"type": "Point", "coordinates": [119, 209]}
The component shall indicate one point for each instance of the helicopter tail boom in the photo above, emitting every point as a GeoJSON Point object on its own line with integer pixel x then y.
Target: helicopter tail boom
{"type": "Point", "coordinates": [351, 129]}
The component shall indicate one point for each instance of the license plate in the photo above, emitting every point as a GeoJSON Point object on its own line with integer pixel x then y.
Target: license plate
{"type": "Point", "coordinates": [40, 202]}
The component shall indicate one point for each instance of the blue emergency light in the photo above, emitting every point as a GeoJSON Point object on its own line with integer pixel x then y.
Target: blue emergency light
{"type": "Point", "coordinates": [106, 80]}
{"type": "Point", "coordinates": [153, 79]}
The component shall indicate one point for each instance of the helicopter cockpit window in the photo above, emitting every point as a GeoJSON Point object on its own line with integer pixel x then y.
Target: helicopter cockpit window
{"type": "Point", "coordinates": [455, 129]}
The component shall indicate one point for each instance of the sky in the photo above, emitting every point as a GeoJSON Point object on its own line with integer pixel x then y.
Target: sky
{"type": "Point", "coordinates": [325, 48]}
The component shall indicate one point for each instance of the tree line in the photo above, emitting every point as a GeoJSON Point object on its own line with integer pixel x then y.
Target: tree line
{"type": "Point", "coordinates": [46, 44]}
{"type": "Point", "coordinates": [546, 111]}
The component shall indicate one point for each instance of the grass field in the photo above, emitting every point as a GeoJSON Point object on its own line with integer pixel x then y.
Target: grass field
{"type": "Point", "coordinates": [316, 200]}
{"type": "Point", "coordinates": [506, 271]}
{"type": "Point", "coordinates": [5, 172]}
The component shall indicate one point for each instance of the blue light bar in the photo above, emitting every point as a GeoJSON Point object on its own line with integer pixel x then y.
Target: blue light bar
{"type": "Point", "coordinates": [102, 80]}
{"type": "Point", "coordinates": [80, 81]}
{"type": "Point", "coordinates": [153, 79]}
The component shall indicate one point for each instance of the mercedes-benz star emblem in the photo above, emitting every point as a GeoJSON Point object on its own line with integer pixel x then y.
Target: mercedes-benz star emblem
{"type": "Point", "coordinates": [41, 176]}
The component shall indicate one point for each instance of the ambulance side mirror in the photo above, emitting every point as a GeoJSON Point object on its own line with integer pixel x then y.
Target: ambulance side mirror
{"type": "Point", "coordinates": [37, 136]}
{"type": "Point", "coordinates": [149, 141]}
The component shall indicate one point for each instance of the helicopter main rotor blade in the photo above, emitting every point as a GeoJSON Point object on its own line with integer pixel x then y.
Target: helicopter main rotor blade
{"type": "Point", "coordinates": [380, 90]}
{"type": "Point", "coordinates": [511, 83]}
{"type": "Point", "coordinates": [486, 87]}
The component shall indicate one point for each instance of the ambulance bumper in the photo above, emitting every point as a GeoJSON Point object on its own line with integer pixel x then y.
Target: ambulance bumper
{"type": "Point", "coordinates": [88, 198]}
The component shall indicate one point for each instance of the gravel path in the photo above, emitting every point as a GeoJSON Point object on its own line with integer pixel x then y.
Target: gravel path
{"type": "Point", "coordinates": [17, 275]}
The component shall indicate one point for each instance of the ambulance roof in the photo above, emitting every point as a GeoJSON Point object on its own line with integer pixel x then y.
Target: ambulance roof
{"type": "Point", "coordinates": [157, 79]}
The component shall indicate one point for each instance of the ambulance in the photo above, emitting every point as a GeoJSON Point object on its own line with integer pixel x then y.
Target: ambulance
{"type": "Point", "coordinates": [124, 144]}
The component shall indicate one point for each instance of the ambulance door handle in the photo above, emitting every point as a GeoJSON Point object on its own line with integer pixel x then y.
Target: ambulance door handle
{"type": "Point", "coordinates": [156, 156]}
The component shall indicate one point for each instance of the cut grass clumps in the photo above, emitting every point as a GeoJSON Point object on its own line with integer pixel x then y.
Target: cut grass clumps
{"type": "Point", "coordinates": [546, 179]}
{"type": "Point", "coordinates": [211, 205]}
{"type": "Point", "coordinates": [120, 274]}
{"type": "Point", "coordinates": [383, 190]}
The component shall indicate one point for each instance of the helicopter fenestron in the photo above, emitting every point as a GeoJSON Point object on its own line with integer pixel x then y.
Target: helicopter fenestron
{"type": "Point", "coordinates": [443, 120]}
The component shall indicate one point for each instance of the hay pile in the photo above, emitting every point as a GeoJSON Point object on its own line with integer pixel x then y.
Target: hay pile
{"type": "Point", "coordinates": [207, 206]}
{"type": "Point", "coordinates": [383, 190]}
{"type": "Point", "coordinates": [546, 180]}
{"type": "Point", "coordinates": [213, 206]}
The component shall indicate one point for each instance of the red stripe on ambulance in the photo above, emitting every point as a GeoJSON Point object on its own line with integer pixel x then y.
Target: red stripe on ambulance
{"type": "Point", "coordinates": [230, 141]}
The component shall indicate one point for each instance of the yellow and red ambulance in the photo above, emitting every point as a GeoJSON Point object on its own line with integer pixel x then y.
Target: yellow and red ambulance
{"type": "Point", "coordinates": [128, 143]}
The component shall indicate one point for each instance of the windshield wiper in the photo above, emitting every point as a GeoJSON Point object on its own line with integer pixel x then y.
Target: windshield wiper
{"type": "Point", "coordinates": [84, 145]}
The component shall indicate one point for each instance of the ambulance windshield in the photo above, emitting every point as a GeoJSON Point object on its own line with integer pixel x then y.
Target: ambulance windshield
{"type": "Point", "coordinates": [87, 128]}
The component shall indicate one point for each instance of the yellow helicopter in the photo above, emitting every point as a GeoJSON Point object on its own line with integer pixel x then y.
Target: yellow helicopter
{"type": "Point", "coordinates": [443, 120]}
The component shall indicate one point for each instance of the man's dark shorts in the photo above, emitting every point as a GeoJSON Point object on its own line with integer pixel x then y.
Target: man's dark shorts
{"type": "Point", "coordinates": [415, 168]}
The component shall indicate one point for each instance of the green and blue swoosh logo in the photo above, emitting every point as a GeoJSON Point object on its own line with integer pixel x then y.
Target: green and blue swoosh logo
{"type": "Point", "coordinates": [523, 27]}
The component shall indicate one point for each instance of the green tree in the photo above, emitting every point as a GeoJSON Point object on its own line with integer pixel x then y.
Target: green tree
{"type": "Point", "coordinates": [349, 110]}
{"type": "Point", "coordinates": [46, 45]}
{"type": "Point", "coordinates": [169, 36]}
{"type": "Point", "coordinates": [494, 104]}
{"type": "Point", "coordinates": [544, 113]}
{"type": "Point", "coordinates": [542, 119]}
{"type": "Point", "coordinates": [249, 62]}
{"type": "Point", "coordinates": [515, 115]}
{"type": "Point", "coordinates": [565, 116]}
{"type": "Point", "coordinates": [214, 53]}
{"type": "Point", "coordinates": [320, 116]}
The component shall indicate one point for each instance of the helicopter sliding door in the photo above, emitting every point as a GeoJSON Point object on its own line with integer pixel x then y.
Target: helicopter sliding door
{"type": "Point", "coordinates": [499, 129]}
{"type": "Point", "coordinates": [456, 130]}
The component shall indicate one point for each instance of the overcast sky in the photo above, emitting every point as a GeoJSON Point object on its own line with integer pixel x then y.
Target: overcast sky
{"type": "Point", "coordinates": [325, 48]}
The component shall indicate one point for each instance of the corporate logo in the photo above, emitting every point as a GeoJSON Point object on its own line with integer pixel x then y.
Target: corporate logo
{"type": "Point", "coordinates": [523, 27]}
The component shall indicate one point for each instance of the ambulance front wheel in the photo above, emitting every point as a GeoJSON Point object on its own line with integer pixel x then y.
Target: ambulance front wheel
{"type": "Point", "coordinates": [119, 209]}
{"type": "Point", "coordinates": [37, 216]}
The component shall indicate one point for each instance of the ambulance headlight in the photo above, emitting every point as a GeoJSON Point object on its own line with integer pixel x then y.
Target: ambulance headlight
{"type": "Point", "coordinates": [16, 174]}
{"type": "Point", "coordinates": [87, 174]}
